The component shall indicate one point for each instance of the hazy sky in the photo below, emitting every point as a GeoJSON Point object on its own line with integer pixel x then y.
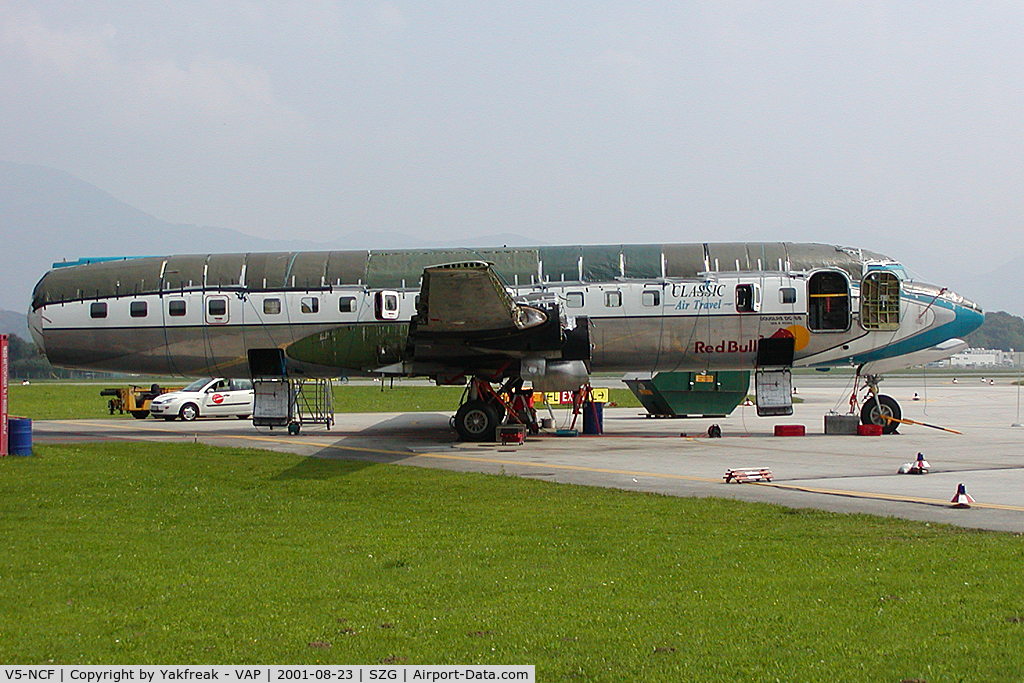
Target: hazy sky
{"type": "Point", "coordinates": [896, 126]}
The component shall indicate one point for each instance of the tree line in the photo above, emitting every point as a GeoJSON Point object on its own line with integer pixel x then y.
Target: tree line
{"type": "Point", "coordinates": [28, 362]}
{"type": "Point", "coordinates": [1001, 331]}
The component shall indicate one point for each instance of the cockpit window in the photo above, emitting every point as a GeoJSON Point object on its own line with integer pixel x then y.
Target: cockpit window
{"type": "Point", "coordinates": [895, 268]}
{"type": "Point", "coordinates": [880, 301]}
{"type": "Point", "coordinates": [828, 302]}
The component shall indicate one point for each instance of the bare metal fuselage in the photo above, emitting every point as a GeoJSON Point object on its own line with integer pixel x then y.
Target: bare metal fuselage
{"type": "Point", "coordinates": [645, 308]}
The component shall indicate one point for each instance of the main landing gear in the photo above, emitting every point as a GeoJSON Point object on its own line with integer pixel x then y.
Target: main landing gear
{"type": "Point", "coordinates": [876, 408]}
{"type": "Point", "coordinates": [483, 409]}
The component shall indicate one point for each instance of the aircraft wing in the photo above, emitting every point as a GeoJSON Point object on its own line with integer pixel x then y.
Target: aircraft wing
{"type": "Point", "coordinates": [468, 297]}
{"type": "Point", "coordinates": [467, 320]}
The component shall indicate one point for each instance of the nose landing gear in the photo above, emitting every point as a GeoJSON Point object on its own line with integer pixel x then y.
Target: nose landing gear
{"type": "Point", "coordinates": [876, 408]}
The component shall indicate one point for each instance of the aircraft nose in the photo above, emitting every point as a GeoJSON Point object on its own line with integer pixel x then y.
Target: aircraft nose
{"type": "Point", "coordinates": [969, 317]}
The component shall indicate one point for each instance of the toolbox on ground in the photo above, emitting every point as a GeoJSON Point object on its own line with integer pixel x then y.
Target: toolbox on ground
{"type": "Point", "coordinates": [514, 433]}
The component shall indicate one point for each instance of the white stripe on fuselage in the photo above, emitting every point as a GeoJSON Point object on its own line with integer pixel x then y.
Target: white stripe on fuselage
{"type": "Point", "coordinates": [614, 307]}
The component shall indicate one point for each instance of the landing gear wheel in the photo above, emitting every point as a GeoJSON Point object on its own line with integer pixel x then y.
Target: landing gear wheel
{"type": "Point", "coordinates": [872, 412]}
{"type": "Point", "coordinates": [476, 421]}
{"type": "Point", "coordinates": [189, 412]}
{"type": "Point", "coordinates": [294, 428]}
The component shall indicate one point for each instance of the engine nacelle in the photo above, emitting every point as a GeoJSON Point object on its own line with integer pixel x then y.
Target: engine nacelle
{"type": "Point", "coordinates": [555, 375]}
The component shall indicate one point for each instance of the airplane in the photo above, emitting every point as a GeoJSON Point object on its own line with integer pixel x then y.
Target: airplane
{"type": "Point", "coordinates": [548, 316]}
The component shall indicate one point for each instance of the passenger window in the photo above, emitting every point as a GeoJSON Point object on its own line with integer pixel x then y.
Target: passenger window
{"type": "Point", "coordinates": [217, 307]}
{"type": "Point", "coordinates": [271, 306]}
{"type": "Point", "coordinates": [574, 300]}
{"type": "Point", "coordinates": [650, 297]}
{"type": "Point", "coordinates": [613, 299]}
{"type": "Point", "coordinates": [787, 295]}
{"type": "Point", "coordinates": [176, 308]}
{"type": "Point", "coordinates": [309, 304]}
{"type": "Point", "coordinates": [98, 310]}
{"type": "Point", "coordinates": [347, 304]}
{"type": "Point", "coordinates": [828, 302]}
{"type": "Point", "coordinates": [138, 309]}
{"type": "Point", "coordinates": [880, 301]}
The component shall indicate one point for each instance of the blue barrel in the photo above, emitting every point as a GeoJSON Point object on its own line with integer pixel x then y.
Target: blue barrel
{"type": "Point", "coordinates": [19, 436]}
{"type": "Point", "coordinates": [593, 417]}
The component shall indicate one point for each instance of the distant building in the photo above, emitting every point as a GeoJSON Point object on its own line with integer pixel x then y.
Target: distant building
{"type": "Point", "coordinates": [980, 358]}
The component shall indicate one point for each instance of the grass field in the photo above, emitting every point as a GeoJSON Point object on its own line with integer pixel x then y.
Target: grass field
{"type": "Point", "coordinates": [146, 553]}
{"type": "Point", "coordinates": [67, 401]}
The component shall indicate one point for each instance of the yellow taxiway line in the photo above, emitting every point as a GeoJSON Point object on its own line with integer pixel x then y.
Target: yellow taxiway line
{"type": "Point", "coordinates": [791, 487]}
{"type": "Point", "coordinates": [569, 468]}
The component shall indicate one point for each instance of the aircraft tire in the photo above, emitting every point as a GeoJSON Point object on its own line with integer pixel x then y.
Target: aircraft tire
{"type": "Point", "coordinates": [476, 421]}
{"type": "Point", "coordinates": [189, 412]}
{"type": "Point", "coordinates": [871, 415]}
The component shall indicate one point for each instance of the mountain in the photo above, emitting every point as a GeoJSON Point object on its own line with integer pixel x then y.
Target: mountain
{"type": "Point", "coordinates": [47, 215]}
{"type": "Point", "coordinates": [12, 322]}
{"type": "Point", "coordinates": [1000, 331]}
{"type": "Point", "coordinates": [999, 289]}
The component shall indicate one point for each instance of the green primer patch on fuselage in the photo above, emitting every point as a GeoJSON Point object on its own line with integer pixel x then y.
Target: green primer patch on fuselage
{"type": "Point", "coordinates": [357, 347]}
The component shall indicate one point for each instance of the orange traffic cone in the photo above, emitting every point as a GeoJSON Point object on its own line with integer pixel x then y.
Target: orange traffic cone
{"type": "Point", "coordinates": [962, 499]}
